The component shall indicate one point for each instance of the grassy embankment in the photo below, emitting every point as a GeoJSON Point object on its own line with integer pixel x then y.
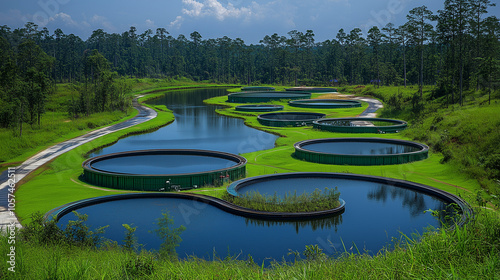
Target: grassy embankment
{"type": "Point", "coordinates": [472, 251]}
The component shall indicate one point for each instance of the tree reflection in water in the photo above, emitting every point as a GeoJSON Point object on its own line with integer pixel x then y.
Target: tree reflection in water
{"type": "Point", "coordinates": [447, 214]}
{"type": "Point", "coordinates": [411, 199]}
{"type": "Point", "coordinates": [323, 223]}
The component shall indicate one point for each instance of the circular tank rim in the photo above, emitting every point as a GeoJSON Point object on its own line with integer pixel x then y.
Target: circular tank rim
{"type": "Point", "coordinates": [312, 89]}
{"type": "Point", "coordinates": [299, 145]}
{"type": "Point", "coordinates": [309, 103]}
{"type": "Point", "coordinates": [264, 96]}
{"type": "Point", "coordinates": [396, 122]}
{"type": "Point", "coordinates": [248, 94]}
{"type": "Point", "coordinates": [257, 88]}
{"type": "Point", "coordinates": [259, 107]}
{"type": "Point", "coordinates": [58, 212]}
{"type": "Point", "coordinates": [239, 160]}
{"type": "Point", "coordinates": [263, 116]}
{"type": "Point", "coordinates": [446, 196]}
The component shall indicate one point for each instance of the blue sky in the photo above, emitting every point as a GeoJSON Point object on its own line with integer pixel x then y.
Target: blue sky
{"type": "Point", "coordinates": [249, 20]}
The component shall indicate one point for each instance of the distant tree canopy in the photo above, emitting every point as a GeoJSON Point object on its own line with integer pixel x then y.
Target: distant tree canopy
{"type": "Point", "coordinates": [458, 48]}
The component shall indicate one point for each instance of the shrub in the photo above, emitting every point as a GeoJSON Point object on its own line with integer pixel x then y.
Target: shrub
{"type": "Point", "coordinates": [142, 264]}
{"type": "Point", "coordinates": [42, 232]}
{"type": "Point", "coordinates": [78, 233]}
{"type": "Point", "coordinates": [170, 236]}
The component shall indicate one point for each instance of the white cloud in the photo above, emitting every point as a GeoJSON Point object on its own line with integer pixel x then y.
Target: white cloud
{"type": "Point", "coordinates": [216, 9]}
{"type": "Point", "coordinates": [196, 8]}
{"type": "Point", "coordinates": [176, 24]}
{"type": "Point", "coordinates": [150, 24]}
{"type": "Point", "coordinates": [65, 18]}
{"type": "Point", "coordinates": [98, 21]}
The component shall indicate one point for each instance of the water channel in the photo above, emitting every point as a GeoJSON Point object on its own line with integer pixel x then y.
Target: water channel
{"type": "Point", "coordinates": [196, 126]}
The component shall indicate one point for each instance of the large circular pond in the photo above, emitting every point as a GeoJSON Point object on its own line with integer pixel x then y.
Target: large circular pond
{"type": "Point", "coordinates": [153, 170]}
{"type": "Point", "coordinates": [360, 125]}
{"type": "Point", "coordinates": [288, 119]}
{"type": "Point", "coordinates": [266, 96]}
{"type": "Point", "coordinates": [324, 103]}
{"type": "Point", "coordinates": [360, 151]}
{"type": "Point", "coordinates": [377, 210]}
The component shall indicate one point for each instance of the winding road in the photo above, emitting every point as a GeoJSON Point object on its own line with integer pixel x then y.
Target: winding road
{"type": "Point", "coordinates": [7, 215]}
{"type": "Point", "coordinates": [8, 219]}
{"type": "Point", "coordinates": [373, 106]}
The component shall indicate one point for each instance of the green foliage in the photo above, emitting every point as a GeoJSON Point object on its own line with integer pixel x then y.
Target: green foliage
{"type": "Point", "coordinates": [314, 253]}
{"type": "Point", "coordinates": [169, 235]}
{"type": "Point", "coordinates": [101, 90]}
{"type": "Point", "coordinates": [55, 127]}
{"type": "Point", "coordinates": [140, 265]}
{"type": "Point", "coordinates": [77, 232]}
{"type": "Point", "coordinates": [39, 231]}
{"type": "Point", "coordinates": [25, 83]}
{"type": "Point", "coordinates": [306, 202]}
{"type": "Point", "coordinates": [130, 240]}
{"type": "Point", "coordinates": [461, 49]}
{"type": "Point", "coordinates": [468, 136]}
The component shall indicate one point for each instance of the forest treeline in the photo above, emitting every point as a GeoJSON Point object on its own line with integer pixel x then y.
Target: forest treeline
{"type": "Point", "coordinates": [455, 49]}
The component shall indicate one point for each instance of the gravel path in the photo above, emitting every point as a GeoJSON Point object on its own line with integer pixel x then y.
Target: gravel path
{"type": "Point", "coordinates": [373, 106]}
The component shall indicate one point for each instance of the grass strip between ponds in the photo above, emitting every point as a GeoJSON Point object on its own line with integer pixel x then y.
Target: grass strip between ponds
{"type": "Point", "coordinates": [291, 202]}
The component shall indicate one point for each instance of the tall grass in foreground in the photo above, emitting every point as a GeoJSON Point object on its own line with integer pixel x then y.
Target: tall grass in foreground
{"type": "Point", "coordinates": [306, 202]}
{"type": "Point", "coordinates": [469, 252]}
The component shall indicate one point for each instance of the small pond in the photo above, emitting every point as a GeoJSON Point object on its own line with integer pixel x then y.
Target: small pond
{"type": "Point", "coordinates": [360, 148]}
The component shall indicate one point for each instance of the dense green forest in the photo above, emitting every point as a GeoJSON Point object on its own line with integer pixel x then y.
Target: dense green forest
{"type": "Point", "coordinates": [455, 49]}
